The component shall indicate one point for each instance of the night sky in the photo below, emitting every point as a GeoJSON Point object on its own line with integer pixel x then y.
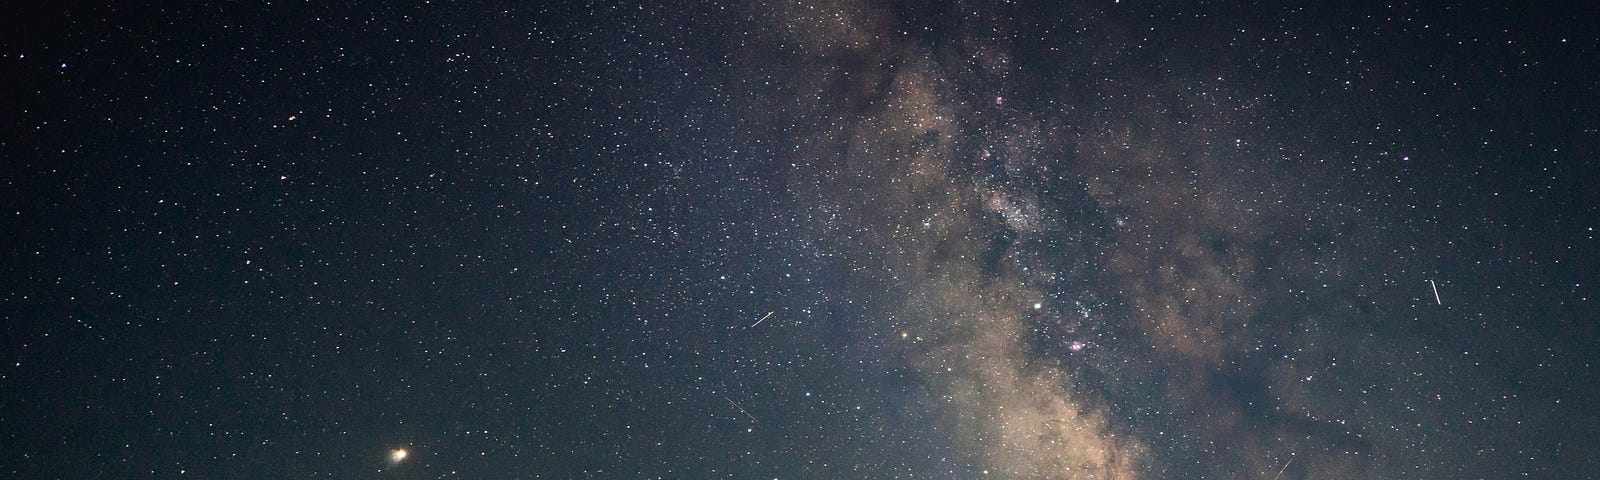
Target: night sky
{"type": "Point", "coordinates": [800, 240]}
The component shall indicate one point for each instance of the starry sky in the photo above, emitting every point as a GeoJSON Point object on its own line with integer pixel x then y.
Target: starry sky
{"type": "Point", "coordinates": [800, 240]}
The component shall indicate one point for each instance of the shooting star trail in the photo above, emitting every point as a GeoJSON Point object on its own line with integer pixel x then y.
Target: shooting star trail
{"type": "Point", "coordinates": [1435, 292]}
{"type": "Point", "coordinates": [758, 322]}
{"type": "Point", "coordinates": [1285, 467]}
{"type": "Point", "coordinates": [741, 409]}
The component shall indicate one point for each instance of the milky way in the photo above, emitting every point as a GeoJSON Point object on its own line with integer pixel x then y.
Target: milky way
{"type": "Point", "coordinates": [827, 239]}
{"type": "Point", "coordinates": [970, 185]}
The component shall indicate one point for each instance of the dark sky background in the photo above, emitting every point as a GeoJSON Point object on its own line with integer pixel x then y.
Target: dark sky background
{"type": "Point", "coordinates": [800, 240]}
